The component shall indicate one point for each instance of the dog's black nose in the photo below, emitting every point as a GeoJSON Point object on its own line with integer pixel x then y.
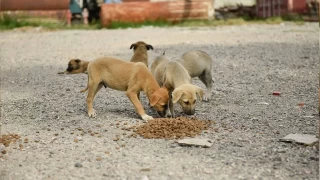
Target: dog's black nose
{"type": "Point", "coordinates": [69, 68]}
{"type": "Point", "coordinates": [190, 112]}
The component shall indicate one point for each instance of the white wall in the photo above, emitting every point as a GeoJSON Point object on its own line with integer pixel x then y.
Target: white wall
{"type": "Point", "coordinates": [221, 3]}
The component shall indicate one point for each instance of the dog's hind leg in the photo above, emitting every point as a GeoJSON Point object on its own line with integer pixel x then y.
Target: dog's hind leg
{"type": "Point", "coordinates": [98, 88]}
{"type": "Point", "coordinates": [206, 78]}
{"type": "Point", "coordinates": [84, 90]}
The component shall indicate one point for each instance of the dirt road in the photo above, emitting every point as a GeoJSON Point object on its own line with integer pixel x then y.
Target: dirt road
{"type": "Point", "coordinates": [59, 141]}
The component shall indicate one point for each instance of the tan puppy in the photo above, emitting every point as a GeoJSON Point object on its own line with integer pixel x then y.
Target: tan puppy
{"type": "Point", "coordinates": [76, 66]}
{"type": "Point", "coordinates": [125, 76]}
{"type": "Point", "coordinates": [175, 77]}
{"type": "Point", "coordinates": [140, 49]}
{"type": "Point", "coordinates": [199, 64]}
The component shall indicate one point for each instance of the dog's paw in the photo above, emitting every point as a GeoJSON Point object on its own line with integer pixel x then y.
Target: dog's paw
{"type": "Point", "coordinates": [146, 117]}
{"type": "Point", "coordinates": [206, 98]}
{"type": "Point", "coordinates": [92, 113]}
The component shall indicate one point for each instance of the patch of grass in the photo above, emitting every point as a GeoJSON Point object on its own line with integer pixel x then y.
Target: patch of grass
{"type": "Point", "coordinates": [123, 25]}
{"type": "Point", "coordinates": [11, 22]}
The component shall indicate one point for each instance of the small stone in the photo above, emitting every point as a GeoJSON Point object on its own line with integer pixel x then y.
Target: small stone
{"type": "Point", "coordinates": [276, 132]}
{"type": "Point", "coordinates": [78, 164]}
{"type": "Point", "coordinates": [145, 178]}
{"type": "Point", "coordinates": [314, 158]}
{"type": "Point", "coordinates": [145, 169]}
{"type": "Point", "coordinates": [196, 142]}
{"type": "Point", "coordinates": [263, 103]}
{"type": "Point", "coordinates": [99, 158]}
{"type": "Point", "coordinates": [300, 138]}
{"type": "Point", "coordinates": [56, 134]}
{"type": "Point", "coordinates": [79, 138]}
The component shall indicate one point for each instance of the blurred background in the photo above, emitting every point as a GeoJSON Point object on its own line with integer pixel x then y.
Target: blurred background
{"type": "Point", "coordinates": [133, 13]}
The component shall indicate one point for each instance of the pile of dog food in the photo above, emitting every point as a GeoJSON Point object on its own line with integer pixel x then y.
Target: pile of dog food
{"type": "Point", "coordinates": [172, 128]}
{"type": "Point", "coordinates": [7, 139]}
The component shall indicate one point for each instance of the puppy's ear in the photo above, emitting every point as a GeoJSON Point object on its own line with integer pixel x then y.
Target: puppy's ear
{"type": "Point", "coordinates": [176, 95]}
{"type": "Point", "coordinates": [154, 99]}
{"type": "Point", "coordinates": [149, 47]}
{"type": "Point", "coordinates": [133, 46]}
{"type": "Point", "coordinates": [77, 60]}
{"type": "Point", "coordinates": [200, 93]}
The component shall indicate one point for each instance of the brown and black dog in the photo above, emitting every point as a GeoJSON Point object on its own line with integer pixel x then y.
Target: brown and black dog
{"type": "Point", "coordinates": [76, 66]}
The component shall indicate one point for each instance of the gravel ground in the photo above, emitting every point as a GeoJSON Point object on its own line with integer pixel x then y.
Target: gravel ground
{"type": "Point", "coordinates": [59, 141]}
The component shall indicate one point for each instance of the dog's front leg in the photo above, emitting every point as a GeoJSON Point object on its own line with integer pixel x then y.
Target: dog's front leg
{"type": "Point", "coordinates": [171, 108]}
{"type": "Point", "coordinates": [137, 104]}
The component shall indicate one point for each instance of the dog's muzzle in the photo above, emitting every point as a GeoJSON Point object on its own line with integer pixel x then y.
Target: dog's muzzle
{"type": "Point", "coordinates": [69, 69]}
{"type": "Point", "coordinates": [189, 111]}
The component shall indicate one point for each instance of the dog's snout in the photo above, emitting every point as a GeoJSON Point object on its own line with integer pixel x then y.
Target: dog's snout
{"type": "Point", "coordinates": [190, 111]}
{"type": "Point", "coordinates": [69, 68]}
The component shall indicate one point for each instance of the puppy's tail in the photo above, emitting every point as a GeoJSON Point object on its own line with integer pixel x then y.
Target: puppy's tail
{"type": "Point", "coordinates": [84, 90]}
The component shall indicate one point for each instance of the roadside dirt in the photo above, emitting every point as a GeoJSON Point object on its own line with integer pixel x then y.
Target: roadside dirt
{"type": "Point", "coordinates": [57, 140]}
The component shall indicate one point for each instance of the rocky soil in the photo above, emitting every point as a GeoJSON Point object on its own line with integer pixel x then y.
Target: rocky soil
{"type": "Point", "coordinates": [53, 138]}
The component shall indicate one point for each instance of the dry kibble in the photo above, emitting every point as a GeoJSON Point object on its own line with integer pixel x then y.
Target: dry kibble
{"type": "Point", "coordinates": [171, 128]}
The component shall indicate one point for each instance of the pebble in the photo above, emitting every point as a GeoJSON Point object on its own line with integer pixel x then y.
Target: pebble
{"type": "Point", "coordinates": [77, 164]}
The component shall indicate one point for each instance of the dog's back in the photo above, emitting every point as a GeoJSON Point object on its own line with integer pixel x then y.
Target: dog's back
{"type": "Point", "coordinates": [196, 62]}
{"type": "Point", "coordinates": [169, 73]}
{"type": "Point", "coordinates": [116, 73]}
